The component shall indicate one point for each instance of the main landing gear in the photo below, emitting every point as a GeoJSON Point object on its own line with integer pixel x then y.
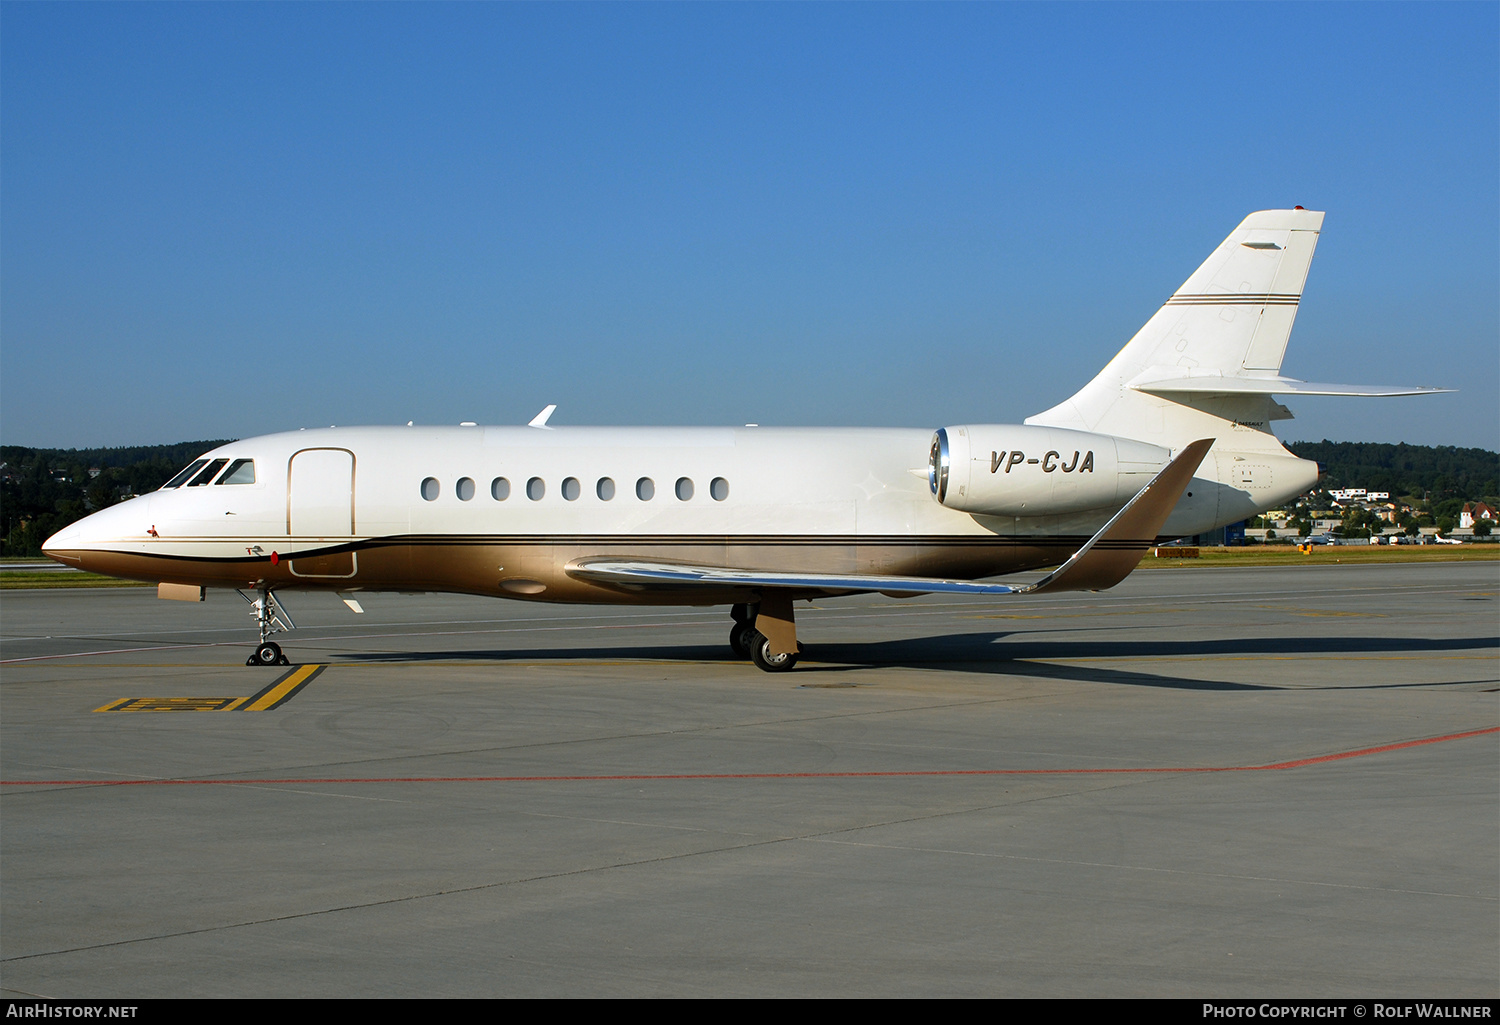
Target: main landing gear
{"type": "Point", "coordinates": [765, 633]}
{"type": "Point", "coordinates": [270, 617]}
{"type": "Point", "coordinates": [743, 630]}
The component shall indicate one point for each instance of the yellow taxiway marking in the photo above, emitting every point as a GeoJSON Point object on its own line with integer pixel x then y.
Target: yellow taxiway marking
{"type": "Point", "coordinates": [172, 705]}
{"type": "Point", "coordinates": [277, 694]}
{"type": "Point", "coordinates": [282, 690]}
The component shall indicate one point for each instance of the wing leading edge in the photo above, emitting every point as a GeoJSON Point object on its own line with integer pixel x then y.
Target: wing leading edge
{"type": "Point", "coordinates": [1094, 567]}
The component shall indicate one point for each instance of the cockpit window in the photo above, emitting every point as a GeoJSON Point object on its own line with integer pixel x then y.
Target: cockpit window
{"type": "Point", "coordinates": [241, 471]}
{"type": "Point", "coordinates": [208, 473]}
{"type": "Point", "coordinates": [193, 467]}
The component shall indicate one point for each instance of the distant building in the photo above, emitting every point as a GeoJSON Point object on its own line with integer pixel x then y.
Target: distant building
{"type": "Point", "coordinates": [1473, 512]}
{"type": "Point", "coordinates": [1343, 495]}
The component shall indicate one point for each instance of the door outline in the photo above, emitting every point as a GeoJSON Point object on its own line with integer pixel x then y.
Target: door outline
{"type": "Point", "coordinates": [353, 464]}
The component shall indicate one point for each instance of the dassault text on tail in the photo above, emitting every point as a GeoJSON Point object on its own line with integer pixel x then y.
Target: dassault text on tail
{"type": "Point", "coordinates": [1171, 438]}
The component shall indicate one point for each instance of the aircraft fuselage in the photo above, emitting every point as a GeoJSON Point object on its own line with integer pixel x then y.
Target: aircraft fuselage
{"type": "Point", "coordinates": [503, 511]}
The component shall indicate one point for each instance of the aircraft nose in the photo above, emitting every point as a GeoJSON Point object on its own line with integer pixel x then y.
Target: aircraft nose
{"type": "Point", "coordinates": [62, 537]}
{"type": "Point", "coordinates": [57, 546]}
{"type": "Point", "coordinates": [77, 541]}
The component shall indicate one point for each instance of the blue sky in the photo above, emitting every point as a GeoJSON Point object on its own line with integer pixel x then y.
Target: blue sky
{"type": "Point", "coordinates": [221, 220]}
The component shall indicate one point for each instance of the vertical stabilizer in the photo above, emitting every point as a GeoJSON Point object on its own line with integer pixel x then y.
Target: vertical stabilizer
{"type": "Point", "coordinates": [1231, 319]}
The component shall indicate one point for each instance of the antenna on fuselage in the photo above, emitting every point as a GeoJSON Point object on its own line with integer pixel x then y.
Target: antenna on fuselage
{"type": "Point", "coordinates": [540, 420]}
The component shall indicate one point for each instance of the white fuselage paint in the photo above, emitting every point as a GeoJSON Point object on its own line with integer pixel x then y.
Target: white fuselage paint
{"type": "Point", "coordinates": [340, 486]}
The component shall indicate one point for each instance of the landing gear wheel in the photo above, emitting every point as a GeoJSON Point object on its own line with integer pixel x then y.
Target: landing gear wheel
{"type": "Point", "coordinates": [270, 618]}
{"type": "Point", "coordinates": [760, 654]}
{"type": "Point", "coordinates": [739, 639]}
{"type": "Point", "coordinates": [268, 654]}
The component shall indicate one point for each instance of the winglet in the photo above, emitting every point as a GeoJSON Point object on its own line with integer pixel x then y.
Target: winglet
{"type": "Point", "coordinates": [1117, 549]}
{"type": "Point", "coordinates": [540, 420]}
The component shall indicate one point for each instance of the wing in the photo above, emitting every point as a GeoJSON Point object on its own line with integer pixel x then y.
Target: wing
{"type": "Point", "coordinates": [630, 572]}
{"type": "Point", "coordinates": [1103, 561]}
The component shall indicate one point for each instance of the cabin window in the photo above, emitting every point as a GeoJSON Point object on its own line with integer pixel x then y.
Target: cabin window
{"type": "Point", "coordinates": [464, 489]}
{"type": "Point", "coordinates": [192, 468]}
{"type": "Point", "coordinates": [571, 489]}
{"type": "Point", "coordinates": [499, 489]}
{"type": "Point", "coordinates": [430, 489]}
{"type": "Point", "coordinates": [536, 488]}
{"type": "Point", "coordinates": [241, 471]}
{"type": "Point", "coordinates": [605, 489]}
{"type": "Point", "coordinates": [719, 489]}
{"type": "Point", "coordinates": [208, 473]}
{"type": "Point", "coordinates": [645, 489]}
{"type": "Point", "coordinates": [684, 488]}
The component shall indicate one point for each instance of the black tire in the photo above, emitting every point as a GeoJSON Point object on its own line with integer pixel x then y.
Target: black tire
{"type": "Point", "coordinates": [739, 639]}
{"type": "Point", "coordinates": [269, 654]}
{"type": "Point", "coordinates": [760, 654]}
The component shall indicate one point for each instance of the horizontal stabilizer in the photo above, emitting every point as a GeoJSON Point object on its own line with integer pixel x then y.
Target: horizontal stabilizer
{"type": "Point", "coordinates": [1169, 383]}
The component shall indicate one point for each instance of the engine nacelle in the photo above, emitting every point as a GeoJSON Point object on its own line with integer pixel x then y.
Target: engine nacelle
{"type": "Point", "coordinates": [1015, 470]}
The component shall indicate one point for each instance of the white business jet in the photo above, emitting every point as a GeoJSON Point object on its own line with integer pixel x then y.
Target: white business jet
{"type": "Point", "coordinates": [1171, 439]}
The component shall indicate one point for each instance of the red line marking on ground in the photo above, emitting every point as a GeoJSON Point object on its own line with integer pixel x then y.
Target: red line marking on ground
{"type": "Point", "coordinates": [912, 773]}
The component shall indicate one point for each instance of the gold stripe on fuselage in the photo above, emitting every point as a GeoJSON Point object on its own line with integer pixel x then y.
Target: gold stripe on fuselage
{"type": "Point", "coordinates": [484, 566]}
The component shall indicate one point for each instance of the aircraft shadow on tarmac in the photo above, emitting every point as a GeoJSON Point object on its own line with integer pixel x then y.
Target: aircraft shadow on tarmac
{"type": "Point", "coordinates": [1004, 653]}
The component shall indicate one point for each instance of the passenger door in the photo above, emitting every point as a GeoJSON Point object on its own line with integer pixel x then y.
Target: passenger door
{"type": "Point", "coordinates": [320, 493]}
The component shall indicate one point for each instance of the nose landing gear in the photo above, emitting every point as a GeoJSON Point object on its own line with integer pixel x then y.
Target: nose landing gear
{"type": "Point", "coordinates": [271, 617]}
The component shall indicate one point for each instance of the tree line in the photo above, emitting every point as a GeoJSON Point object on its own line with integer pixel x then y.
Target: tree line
{"type": "Point", "coordinates": [43, 490]}
{"type": "Point", "coordinates": [1439, 473]}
